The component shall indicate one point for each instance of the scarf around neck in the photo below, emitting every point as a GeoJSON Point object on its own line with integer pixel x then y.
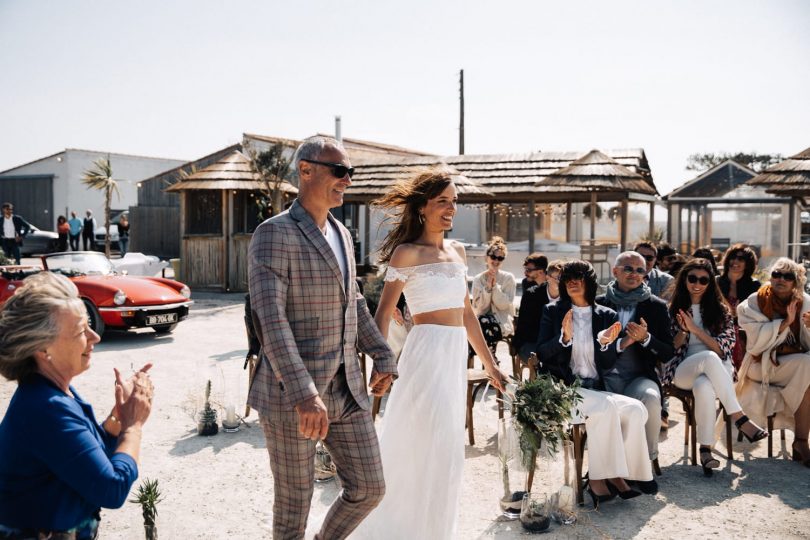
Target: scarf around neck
{"type": "Point", "coordinates": [619, 298]}
{"type": "Point", "coordinates": [772, 307]}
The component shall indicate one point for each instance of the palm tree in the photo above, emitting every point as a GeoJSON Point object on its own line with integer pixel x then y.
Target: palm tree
{"type": "Point", "coordinates": [100, 177]}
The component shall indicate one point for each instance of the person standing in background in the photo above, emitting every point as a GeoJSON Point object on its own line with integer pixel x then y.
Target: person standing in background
{"type": "Point", "coordinates": [88, 230]}
{"type": "Point", "coordinates": [123, 235]}
{"type": "Point", "coordinates": [75, 231]}
{"type": "Point", "coordinates": [63, 229]}
{"type": "Point", "coordinates": [13, 230]}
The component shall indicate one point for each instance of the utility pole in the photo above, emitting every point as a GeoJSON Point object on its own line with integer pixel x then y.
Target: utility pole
{"type": "Point", "coordinates": [461, 117]}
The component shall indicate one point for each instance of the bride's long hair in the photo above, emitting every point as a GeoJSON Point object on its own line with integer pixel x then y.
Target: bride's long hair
{"type": "Point", "coordinates": [403, 203]}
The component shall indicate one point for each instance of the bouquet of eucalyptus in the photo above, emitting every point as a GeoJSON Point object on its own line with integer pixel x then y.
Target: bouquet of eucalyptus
{"type": "Point", "coordinates": [542, 409]}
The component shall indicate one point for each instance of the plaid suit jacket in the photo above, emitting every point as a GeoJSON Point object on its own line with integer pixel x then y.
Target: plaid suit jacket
{"type": "Point", "coordinates": [307, 319]}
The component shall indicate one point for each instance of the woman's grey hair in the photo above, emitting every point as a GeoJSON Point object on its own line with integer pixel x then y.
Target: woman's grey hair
{"type": "Point", "coordinates": [783, 264]}
{"type": "Point", "coordinates": [29, 321]}
{"type": "Point", "coordinates": [312, 148]}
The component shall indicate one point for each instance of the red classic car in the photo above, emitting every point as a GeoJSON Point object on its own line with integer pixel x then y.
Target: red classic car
{"type": "Point", "coordinates": [113, 300]}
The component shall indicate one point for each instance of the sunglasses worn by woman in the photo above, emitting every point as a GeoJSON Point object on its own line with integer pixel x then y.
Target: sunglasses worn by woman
{"type": "Point", "coordinates": [703, 330]}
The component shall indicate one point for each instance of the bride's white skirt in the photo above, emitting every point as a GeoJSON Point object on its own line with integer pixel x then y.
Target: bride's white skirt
{"type": "Point", "coordinates": [422, 439]}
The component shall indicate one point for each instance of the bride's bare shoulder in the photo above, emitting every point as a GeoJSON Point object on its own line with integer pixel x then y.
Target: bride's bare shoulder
{"type": "Point", "coordinates": [405, 255]}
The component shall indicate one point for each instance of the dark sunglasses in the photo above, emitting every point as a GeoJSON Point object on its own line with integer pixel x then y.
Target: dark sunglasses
{"type": "Point", "coordinates": [649, 258]}
{"type": "Point", "coordinates": [576, 276]}
{"type": "Point", "coordinates": [497, 258]}
{"type": "Point", "coordinates": [739, 257]}
{"type": "Point", "coordinates": [627, 269]}
{"type": "Point", "coordinates": [530, 269]}
{"type": "Point", "coordinates": [787, 276]}
{"type": "Point", "coordinates": [692, 278]}
{"type": "Point", "coordinates": [338, 170]}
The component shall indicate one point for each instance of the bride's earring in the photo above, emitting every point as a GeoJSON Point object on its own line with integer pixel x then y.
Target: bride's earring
{"type": "Point", "coordinates": [421, 219]}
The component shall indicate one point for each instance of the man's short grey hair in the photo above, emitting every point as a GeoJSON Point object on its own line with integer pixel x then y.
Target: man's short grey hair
{"type": "Point", "coordinates": [312, 148]}
{"type": "Point", "coordinates": [625, 256]}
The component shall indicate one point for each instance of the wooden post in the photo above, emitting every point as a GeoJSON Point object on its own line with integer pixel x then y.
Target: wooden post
{"type": "Point", "coordinates": [531, 226]}
{"type": "Point", "coordinates": [568, 221]}
{"type": "Point", "coordinates": [226, 196]}
{"type": "Point", "coordinates": [593, 218]}
{"type": "Point", "coordinates": [652, 220]}
{"type": "Point", "coordinates": [367, 235]}
{"type": "Point", "coordinates": [623, 228]}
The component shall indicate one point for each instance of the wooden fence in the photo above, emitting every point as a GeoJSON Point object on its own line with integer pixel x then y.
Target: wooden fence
{"type": "Point", "coordinates": [155, 230]}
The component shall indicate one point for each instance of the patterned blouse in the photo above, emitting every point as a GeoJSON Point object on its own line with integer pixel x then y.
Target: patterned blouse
{"type": "Point", "coordinates": [725, 339]}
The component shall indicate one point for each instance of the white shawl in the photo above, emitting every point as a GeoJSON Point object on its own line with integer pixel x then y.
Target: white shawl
{"type": "Point", "coordinates": [763, 337]}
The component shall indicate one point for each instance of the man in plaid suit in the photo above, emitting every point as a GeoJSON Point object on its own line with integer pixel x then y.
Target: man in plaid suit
{"type": "Point", "coordinates": [311, 321]}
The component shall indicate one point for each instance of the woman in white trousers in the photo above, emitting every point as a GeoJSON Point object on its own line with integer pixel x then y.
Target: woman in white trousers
{"type": "Point", "coordinates": [703, 329]}
{"type": "Point", "coordinates": [576, 341]}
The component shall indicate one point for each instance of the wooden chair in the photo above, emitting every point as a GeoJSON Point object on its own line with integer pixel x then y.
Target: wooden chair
{"type": "Point", "coordinates": [476, 381]}
{"type": "Point", "coordinates": [770, 435]}
{"type": "Point", "coordinates": [687, 399]}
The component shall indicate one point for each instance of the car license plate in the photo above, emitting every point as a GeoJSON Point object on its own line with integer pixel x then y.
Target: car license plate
{"type": "Point", "coordinates": [163, 318]}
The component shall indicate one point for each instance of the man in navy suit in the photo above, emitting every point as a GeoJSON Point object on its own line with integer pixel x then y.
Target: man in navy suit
{"type": "Point", "coordinates": [13, 231]}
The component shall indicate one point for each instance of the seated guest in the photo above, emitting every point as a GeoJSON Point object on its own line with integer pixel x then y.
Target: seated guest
{"type": "Point", "coordinates": [666, 256]}
{"type": "Point", "coordinates": [59, 466]}
{"type": "Point", "coordinates": [645, 341]}
{"type": "Point", "coordinates": [705, 252]}
{"type": "Point", "coordinates": [493, 294]}
{"type": "Point", "coordinates": [736, 283]}
{"type": "Point", "coordinates": [553, 280]}
{"type": "Point", "coordinates": [575, 342]}
{"type": "Point", "coordinates": [775, 374]}
{"type": "Point", "coordinates": [704, 337]}
{"type": "Point", "coordinates": [535, 296]}
{"type": "Point", "coordinates": [657, 280]}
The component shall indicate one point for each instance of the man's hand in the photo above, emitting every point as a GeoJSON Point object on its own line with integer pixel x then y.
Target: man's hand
{"type": "Point", "coordinates": [637, 331]}
{"type": "Point", "coordinates": [313, 420]}
{"type": "Point", "coordinates": [806, 319]}
{"type": "Point", "coordinates": [380, 382]}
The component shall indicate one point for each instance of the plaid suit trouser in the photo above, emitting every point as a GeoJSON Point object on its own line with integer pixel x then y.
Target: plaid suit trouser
{"type": "Point", "coordinates": [353, 444]}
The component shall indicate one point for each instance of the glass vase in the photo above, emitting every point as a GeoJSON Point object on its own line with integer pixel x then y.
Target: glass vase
{"type": "Point", "coordinates": [534, 512]}
{"type": "Point", "coordinates": [513, 473]}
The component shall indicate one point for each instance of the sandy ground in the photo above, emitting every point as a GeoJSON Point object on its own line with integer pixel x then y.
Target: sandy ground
{"type": "Point", "coordinates": [220, 487]}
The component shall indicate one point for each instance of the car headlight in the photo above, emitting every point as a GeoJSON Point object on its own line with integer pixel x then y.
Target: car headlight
{"type": "Point", "coordinates": [185, 291]}
{"type": "Point", "coordinates": [119, 298]}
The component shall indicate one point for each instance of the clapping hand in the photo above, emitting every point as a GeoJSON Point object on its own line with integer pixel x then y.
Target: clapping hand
{"type": "Point", "coordinates": [806, 319]}
{"type": "Point", "coordinates": [611, 333]}
{"type": "Point", "coordinates": [134, 409]}
{"type": "Point", "coordinates": [128, 385]}
{"type": "Point", "coordinates": [686, 322]}
{"type": "Point", "coordinates": [568, 326]}
{"type": "Point", "coordinates": [637, 331]}
{"type": "Point", "coordinates": [792, 310]}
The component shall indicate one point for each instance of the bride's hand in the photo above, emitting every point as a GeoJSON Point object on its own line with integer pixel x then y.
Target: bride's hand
{"type": "Point", "coordinates": [497, 376]}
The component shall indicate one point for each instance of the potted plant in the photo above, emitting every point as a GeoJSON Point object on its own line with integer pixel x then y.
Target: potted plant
{"type": "Point", "coordinates": [541, 411]}
{"type": "Point", "coordinates": [148, 496]}
{"type": "Point", "coordinates": [207, 422]}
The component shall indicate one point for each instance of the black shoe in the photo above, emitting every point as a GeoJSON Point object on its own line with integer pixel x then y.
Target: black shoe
{"type": "Point", "coordinates": [599, 498]}
{"type": "Point", "coordinates": [648, 487]}
{"type": "Point", "coordinates": [628, 494]}
{"type": "Point", "coordinates": [758, 436]}
{"type": "Point", "coordinates": [708, 461]}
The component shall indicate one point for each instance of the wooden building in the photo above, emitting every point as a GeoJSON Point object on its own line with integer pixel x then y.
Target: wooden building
{"type": "Point", "coordinates": [218, 214]}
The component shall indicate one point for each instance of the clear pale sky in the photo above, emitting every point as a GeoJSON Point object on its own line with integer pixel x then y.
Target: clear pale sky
{"type": "Point", "coordinates": [181, 79]}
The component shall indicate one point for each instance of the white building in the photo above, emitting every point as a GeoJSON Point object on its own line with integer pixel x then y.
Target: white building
{"type": "Point", "coordinates": [51, 186]}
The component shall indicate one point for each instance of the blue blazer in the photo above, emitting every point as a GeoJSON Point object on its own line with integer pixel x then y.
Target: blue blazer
{"type": "Point", "coordinates": [556, 359]}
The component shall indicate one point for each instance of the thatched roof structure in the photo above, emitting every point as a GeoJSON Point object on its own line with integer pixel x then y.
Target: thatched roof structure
{"type": "Point", "coordinates": [356, 148]}
{"type": "Point", "coordinates": [715, 182]}
{"type": "Point", "coordinates": [232, 171]}
{"type": "Point", "coordinates": [509, 177]}
{"type": "Point", "coordinates": [597, 172]}
{"type": "Point", "coordinates": [789, 177]}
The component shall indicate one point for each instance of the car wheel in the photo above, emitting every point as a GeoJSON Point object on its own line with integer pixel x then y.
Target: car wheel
{"type": "Point", "coordinates": [164, 328]}
{"type": "Point", "coordinates": [93, 318]}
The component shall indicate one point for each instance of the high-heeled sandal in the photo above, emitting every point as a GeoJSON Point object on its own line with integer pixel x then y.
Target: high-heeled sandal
{"type": "Point", "coordinates": [797, 455]}
{"type": "Point", "coordinates": [599, 498]}
{"type": "Point", "coordinates": [708, 461]}
{"type": "Point", "coordinates": [758, 436]}
{"type": "Point", "coordinates": [626, 494]}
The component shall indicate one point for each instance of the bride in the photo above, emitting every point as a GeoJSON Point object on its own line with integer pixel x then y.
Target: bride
{"type": "Point", "coordinates": [422, 436]}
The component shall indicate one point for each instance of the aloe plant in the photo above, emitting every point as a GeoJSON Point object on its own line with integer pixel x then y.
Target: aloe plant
{"type": "Point", "coordinates": [148, 496]}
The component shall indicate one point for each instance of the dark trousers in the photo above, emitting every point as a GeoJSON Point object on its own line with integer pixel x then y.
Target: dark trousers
{"type": "Point", "coordinates": [87, 241]}
{"type": "Point", "coordinates": [74, 242]}
{"type": "Point", "coordinates": [12, 249]}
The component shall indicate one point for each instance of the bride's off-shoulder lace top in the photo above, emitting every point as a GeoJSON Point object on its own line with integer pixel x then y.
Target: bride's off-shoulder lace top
{"type": "Point", "coordinates": [429, 287]}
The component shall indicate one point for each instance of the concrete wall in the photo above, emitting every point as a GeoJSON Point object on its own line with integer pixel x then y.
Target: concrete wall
{"type": "Point", "coordinates": [69, 194]}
